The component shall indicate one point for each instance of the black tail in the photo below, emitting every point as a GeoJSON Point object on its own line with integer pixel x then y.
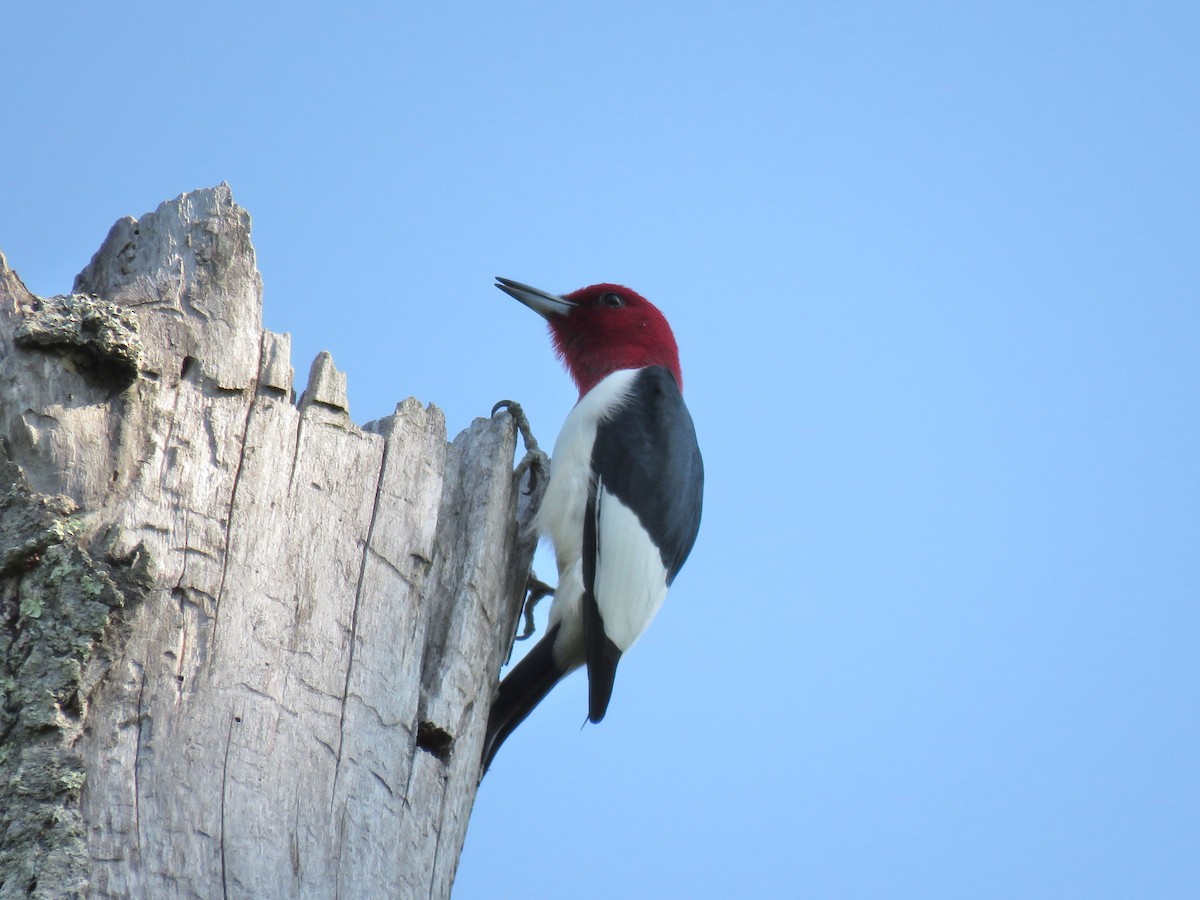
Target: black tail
{"type": "Point", "coordinates": [521, 690]}
{"type": "Point", "coordinates": [602, 658]}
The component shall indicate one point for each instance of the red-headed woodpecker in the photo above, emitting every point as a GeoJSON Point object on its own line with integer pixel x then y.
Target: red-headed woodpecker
{"type": "Point", "coordinates": [623, 504]}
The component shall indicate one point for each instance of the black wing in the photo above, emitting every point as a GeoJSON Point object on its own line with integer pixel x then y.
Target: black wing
{"type": "Point", "coordinates": [646, 456]}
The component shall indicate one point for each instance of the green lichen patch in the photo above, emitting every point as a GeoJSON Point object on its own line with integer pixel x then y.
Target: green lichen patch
{"type": "Point", "coordinates": [59, 600]}
{"type": "Point", "coordinates": [102, 338]}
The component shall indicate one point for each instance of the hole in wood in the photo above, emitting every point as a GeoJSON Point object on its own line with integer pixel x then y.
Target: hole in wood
{"type": "Point", "coordinates": [71, 705]}
{"type": "Point", "coordinates": [434, 740]}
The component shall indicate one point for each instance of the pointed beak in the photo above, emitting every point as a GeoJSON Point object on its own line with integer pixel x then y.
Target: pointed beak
{"type": "Point", "coordinates": [545, 305]}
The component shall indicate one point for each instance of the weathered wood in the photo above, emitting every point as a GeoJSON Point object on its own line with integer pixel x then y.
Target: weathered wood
{"type": "Point", "coordinates": [246, 645]}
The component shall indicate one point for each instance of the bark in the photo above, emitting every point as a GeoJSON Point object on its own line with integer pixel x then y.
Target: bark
{"type": "Point", "coordinates": [246, 647]}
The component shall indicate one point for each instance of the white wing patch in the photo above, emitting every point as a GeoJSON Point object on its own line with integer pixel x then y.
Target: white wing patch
{"type": "Point", "coordinates": [631, 581]}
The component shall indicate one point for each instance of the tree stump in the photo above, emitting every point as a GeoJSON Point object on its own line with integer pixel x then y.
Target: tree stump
{"type": "Point", "coordinates": [246, 647]}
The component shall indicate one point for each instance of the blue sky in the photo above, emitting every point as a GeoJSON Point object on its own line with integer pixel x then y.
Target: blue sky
{"type": "Point", "coordinates": [932, 268]}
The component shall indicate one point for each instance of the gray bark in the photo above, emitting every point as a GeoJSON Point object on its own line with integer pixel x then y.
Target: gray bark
{"type": "Point", "coordinates": [246, 647]}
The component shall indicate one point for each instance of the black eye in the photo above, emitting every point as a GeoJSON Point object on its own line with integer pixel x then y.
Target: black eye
{"type": "Point", "coordinates": [613, 301]}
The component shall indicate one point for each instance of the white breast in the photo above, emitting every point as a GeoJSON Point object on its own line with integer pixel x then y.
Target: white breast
{"type": "Point", "coordinates": [560, 517]}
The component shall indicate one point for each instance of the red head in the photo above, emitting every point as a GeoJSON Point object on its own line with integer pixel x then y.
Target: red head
{"type": "Point", "coordinates": [600, 329]}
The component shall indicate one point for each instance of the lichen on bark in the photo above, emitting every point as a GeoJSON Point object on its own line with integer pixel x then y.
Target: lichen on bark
{"type": "Point", "coordinates": [60, 603]}
{"type": "Point", "coordinates": [101, 338]}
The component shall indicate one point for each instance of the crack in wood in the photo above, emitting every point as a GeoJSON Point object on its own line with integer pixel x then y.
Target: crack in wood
{"type": "Point", "coordinates": [137, 758]}
{"type": "Point", "coordinates": [296, 453]}
{"type": "Point", "coordinates": [224, 795]}
{"type": "Point", "coordinates": [358, 589]}
{"type": "Point", "coordinates": [252, 396]}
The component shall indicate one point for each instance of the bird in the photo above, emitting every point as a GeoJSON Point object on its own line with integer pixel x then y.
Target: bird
{"type": "Point", "coordinates": [623, 502]}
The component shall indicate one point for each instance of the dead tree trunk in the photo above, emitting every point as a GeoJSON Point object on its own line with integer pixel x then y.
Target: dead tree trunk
{"type": "Point", "coordinates": [245, 646]}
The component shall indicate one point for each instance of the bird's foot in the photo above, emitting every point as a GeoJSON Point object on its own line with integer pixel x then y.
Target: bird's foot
{"type": "Point", "coordinates": [535, 590]}
{"type": "Point", "coordinates": [535, 460]}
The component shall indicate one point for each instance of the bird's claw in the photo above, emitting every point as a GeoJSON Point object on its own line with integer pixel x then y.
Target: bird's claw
{"type": "Point", "coordinates": [533, 462]}
{"type": "Point", "coordinates": [508, 404]}
{"type": "Point", "coordinates": [535, 459]}
{"type": "Point", "coordinates": [535, 590]}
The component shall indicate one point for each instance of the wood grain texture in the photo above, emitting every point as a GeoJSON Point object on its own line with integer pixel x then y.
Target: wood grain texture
{"type": "Point", "coordinates": [284, 688]}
